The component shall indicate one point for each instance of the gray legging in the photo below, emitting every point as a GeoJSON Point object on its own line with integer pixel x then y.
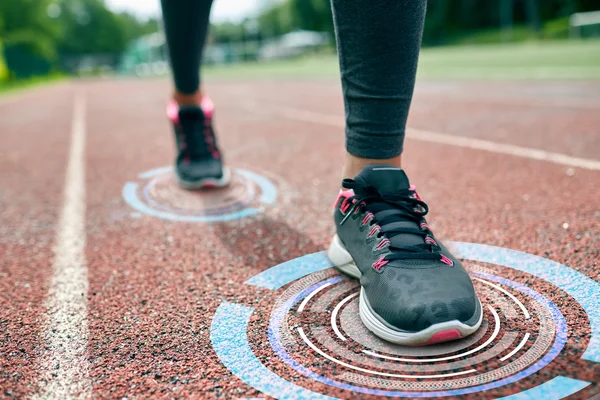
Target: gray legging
{"type": "Point", "coordinates": [378, 45]}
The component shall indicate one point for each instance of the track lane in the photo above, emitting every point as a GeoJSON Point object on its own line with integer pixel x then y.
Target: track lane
{"type": "Point", "coordinates": [34, 144]}
{"type": "Point", "coordinates": [155, 285]}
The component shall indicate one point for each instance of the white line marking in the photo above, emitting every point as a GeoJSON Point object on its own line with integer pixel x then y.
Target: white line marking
{"type": "Point", "coordinates": [425, 360]}
{"type": "Point", "coordinates": [310, 296]}
{"type": "Point", "coordinates": [64, 369]}
{"type": "Point", "coordinates": [453, 140]}
{"type": "Point", "coordinates": [512, 353]}
{"type": "Point", "coordinates": [368, 371]}
{"type": "Point", "coordinates": [525, 312]}
{"type": "Point", "coordinates": [334, 315]}
{"type": "Point", "coordinates": [502, 148]}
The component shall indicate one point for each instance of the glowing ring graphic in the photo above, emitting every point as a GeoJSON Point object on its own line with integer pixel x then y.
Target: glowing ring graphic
{"type": "Point", "coordinates": [247, 178]}
{"type": "Point", "coordinates": [230, 340]}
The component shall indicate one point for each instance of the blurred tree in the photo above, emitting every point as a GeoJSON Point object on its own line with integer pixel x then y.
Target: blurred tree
{"type": "Point", "coordinates": [29, 34]}
{"type": "Point", "coordinates": [277, 20]}
{"type": "Point", "coordinates": [90, 28]}
{"type": "Point", "coordinates": [313, 15]}
{"type": "Point", "coordinates": [26, 24]}
{"type": "Point", "coordinates": [227, 32]}
{"type": "Point", "coordinates": [532, 10]}
{"type": "Point", "coordinates": [37, 33]}
{"type": "Point", "coordinates": [134, 28]}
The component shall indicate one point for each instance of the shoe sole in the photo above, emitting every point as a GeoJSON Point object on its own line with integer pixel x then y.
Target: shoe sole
{"type": "Point", "coordinates": [437, 333]}
{"type": "Point", "coordinates": [206, 183]}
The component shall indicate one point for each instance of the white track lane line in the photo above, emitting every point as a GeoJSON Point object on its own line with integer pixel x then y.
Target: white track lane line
{"type": "Point", "coordinates": [516, 349]}
{"type": "Point", "coordinates": [334, 316]}
{"type": "Point", "coordinates": [452, 140]}
{"type": "Point", "coordinates": [63, 368]}
{"type": "Point", "coordinates": [525, 312]}
{"type": "Point", "coordinates": [368, 371]}
{"type": "Point", "coordinates": [310, 296]}
{"type": "Point", "coordinates": [426, 360]}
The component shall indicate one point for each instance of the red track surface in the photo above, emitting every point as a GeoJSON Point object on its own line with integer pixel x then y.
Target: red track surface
{"type": "Point", "coordinates": [154, 285]}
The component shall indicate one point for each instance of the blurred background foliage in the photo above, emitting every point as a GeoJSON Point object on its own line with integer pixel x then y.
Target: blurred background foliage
{"type": "Point", "coordinates": [448, 21]}
{"type": "Point", "coordinates": [49, 37]}
{"type": "Point", "coordinates": [40, 37]}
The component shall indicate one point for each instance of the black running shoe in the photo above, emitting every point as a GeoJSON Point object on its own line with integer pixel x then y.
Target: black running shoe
{"type": "Point", "coordinates": [199, 164]}
{"type": "Point", "coordinates": [413, 291]}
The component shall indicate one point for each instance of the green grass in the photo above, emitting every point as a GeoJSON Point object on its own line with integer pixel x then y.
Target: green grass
{"type": "Point", "coordinates": [8, 87]}
{"type": "Point", "coordinates": [530, 60]}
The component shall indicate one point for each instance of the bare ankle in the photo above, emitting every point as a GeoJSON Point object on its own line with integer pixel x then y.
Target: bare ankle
{"type": "Point", "coordinates": [188, 99]}
{"type": "Point", "coordinates": [356, 164]}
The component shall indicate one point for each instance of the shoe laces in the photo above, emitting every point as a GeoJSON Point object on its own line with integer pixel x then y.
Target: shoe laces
{"type": "Point", "coordinates": [197, 139]}
{"type": "Point", "coordinates": [409, 207]}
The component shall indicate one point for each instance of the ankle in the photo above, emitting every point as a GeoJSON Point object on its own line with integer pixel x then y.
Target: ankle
{"type": "Point", "coordinates": [188, 99]}
{"type": "Point", "coordinates": [356, 164]}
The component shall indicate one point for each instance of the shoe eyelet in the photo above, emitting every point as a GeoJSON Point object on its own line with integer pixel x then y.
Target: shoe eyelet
{"type": "Point", "coordinates": [377, 265]}
{"type": "Point", "coordinates": [368, 220]}
{"type": "Point", "coordinates": [446, 260]}
{"type": "Point", "coordinates": [430, 240]}
{"type": "Point", "coordinates": [374, 230]}
{"type": "Point", "coordinates": [344, 206]}
{"type": "Point", "coordinates": [382, 244]}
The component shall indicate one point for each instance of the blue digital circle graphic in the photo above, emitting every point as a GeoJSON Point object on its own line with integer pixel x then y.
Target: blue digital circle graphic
{"type": "Point", "coordinates": [257, 190]}
{"type": "Point", "coordinates": [229, 329]}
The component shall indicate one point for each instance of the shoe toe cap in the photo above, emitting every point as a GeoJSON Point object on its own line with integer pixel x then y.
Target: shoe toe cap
{"type": "Point", "coordinates": [427, 300]}
{"type": "Point", "coordinates": [201, 169]}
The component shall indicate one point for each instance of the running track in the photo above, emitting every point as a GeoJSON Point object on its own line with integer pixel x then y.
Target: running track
{"type": "Point", "coordinates": [99, 301]}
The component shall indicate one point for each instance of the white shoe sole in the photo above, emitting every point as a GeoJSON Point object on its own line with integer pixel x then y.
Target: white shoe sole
{"type": "Point", "coordinates": [437, 333]}
{"type": "Point", "coordinates": [207, 183]}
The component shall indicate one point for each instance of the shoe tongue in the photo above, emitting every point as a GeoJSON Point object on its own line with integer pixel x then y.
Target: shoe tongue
{"type": "Point", "coordinates": [385, 178]}
{"type": "Point", "coordinates": [389, 179]}
{"type": "Point", "coordinates": [190, 113]}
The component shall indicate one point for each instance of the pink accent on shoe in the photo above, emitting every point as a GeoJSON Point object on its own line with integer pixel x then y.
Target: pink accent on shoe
{"type": "Point", "coordinates": [413, 188]}
{"type": "Point", "coordinates": [430, 240]}
{"type": "Point", "coordinates": [173, 111]}
{"type": "Point", "coordinates": [210, 143]}
{"type": "Point", "coordinates": [444, 336]}
{"type": "Point", "coordinates": [207, 106]}
{"type": "Point", "coordinates": [380, 263]}
{"type": "Point", "coordinates": [382, 244]}
{"type": "Point", "coordinates": [423, 225]}
{"type": "Point", "coordinates": [345, 194]}
{"type": "Point", "coordinates": [357, 209]}
{"type": "Point", "coordinates": [374, 229]}
{"type": "Point", "coordinates": [345, 205]}
{"type": "Point", "coordinates": [367, 218]}
{"type": "Point", "coordinates": [446, 260]}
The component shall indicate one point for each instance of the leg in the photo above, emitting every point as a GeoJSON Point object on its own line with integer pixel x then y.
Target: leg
{"type": "Point", "coordinates": [186, 26]}
{"type": "Point", "coordinates": [199, 163]}
{"type": "Point", "coordinates": [413, 291]}
{"type": "Point", "coordinates": [378, 47]}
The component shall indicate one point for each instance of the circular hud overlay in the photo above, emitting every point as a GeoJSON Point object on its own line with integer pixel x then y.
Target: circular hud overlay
{"type": "Point", "coordinates": [157, 193]}
{"type": "Point", "coordinates": [539, 339]}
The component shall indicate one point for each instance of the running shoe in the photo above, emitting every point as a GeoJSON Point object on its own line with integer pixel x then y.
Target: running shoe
{"type": "Point", "coordinates": [413, 290]}
{"type": "Point", "coordinates": [199, 164]}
